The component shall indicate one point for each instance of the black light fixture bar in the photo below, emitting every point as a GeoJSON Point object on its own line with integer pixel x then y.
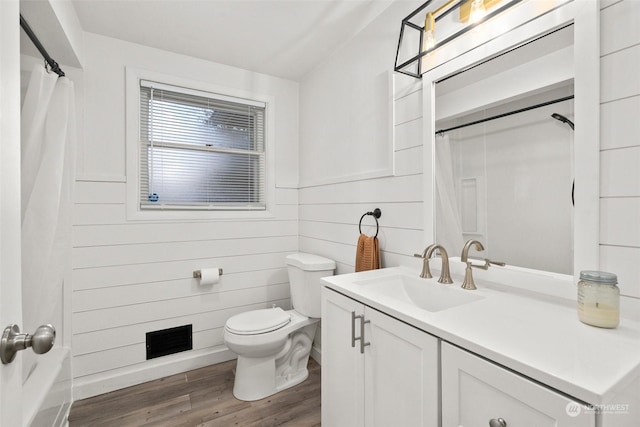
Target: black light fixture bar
{"type": "Point", "coordinates": [406, 22]}
{"type": "Point", "coordinates": [418, 57]}
{"type": "Point", "coordinates": [36, 42]}
{"type": "Point", "coordinates": [499, 116]}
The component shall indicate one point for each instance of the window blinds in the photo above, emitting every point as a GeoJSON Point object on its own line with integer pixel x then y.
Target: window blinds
{"type": "Point", "coordinates": [200, 150]}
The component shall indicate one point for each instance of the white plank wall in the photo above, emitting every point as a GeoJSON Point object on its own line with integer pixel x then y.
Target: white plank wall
{"type": "Point", "coordinates": [620, 142]}
{"type": "Point", "coordinates": [131, 278]}
{"type": "Point", "coordinates": [329, 214]}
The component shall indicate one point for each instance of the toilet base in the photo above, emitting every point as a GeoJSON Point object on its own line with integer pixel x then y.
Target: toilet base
{"type": "Point", "coordinates": [260, 377]}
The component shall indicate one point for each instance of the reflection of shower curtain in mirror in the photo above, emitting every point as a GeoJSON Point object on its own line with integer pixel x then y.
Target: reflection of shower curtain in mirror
{"type": "Point", "coordinates": [47, 142]}
{"type": "Point", "coordinates": [448, 226]}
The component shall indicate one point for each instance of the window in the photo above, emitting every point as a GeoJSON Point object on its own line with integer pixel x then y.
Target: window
{"type": "Point", "coordinates": [199, 150]}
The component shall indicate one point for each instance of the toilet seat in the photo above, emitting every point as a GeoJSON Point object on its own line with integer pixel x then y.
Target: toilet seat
{"type": "Point", "coordinates": [258, 321]}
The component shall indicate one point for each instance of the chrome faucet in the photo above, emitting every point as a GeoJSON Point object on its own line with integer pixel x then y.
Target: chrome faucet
{"type": "Point", "coordinates": [445, 275]}
{"type": "Point", "coordinates": [426, 272]}
{"type": "Point", "coordinates": [468, 282]}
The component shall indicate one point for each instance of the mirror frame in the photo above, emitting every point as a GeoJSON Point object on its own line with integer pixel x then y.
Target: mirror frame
{"type": "Point", "coordinates": [585, 15]}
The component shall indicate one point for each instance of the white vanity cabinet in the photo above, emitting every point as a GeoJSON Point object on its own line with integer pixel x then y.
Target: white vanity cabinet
{"type": "Point", "coordinates": [438, 359]}
{"type": "Point", "coordinates": [382, 372]}
{"type": "Point", "coordinates": [476, 392]}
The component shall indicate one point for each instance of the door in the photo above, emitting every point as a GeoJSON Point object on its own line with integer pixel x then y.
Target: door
{"type": "Point", "coordinates": [343, 390]}
{"type": "Point", "coordinates": [390, 379]}
{"type": "Point", "coordinates": [477, 393]}
{"type": "Point", "coordinates": [401, 373]}
{"type": "Point", "coordinates": [10, 274]}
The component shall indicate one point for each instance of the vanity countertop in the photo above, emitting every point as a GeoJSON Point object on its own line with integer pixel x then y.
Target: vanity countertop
{"type": "Point", "coordinates": [539, 338]}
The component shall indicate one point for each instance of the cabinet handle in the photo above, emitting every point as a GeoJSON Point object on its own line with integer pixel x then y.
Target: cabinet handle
{"type": "Point", "coordinates": [363, 344]}
{"type": "Point", "coordinates": [353, 331]}
{"type": "Point", "coordinates": [497, 422]}
{"type": "Point", "coordinates": [353, 328]}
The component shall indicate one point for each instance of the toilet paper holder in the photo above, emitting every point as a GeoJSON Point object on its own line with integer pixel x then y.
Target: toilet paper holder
{"type": "Point", "coordinates": [197, 274]}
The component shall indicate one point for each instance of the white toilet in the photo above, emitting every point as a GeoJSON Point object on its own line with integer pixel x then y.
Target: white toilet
{"type": "Point", "coordinates": [273, 345]}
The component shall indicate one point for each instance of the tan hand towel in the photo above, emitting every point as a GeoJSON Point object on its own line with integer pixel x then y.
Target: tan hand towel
{"type": "Point", "coordinates": [367, 253]}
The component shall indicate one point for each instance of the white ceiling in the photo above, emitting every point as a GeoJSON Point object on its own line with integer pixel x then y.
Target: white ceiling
{"type": "Point", "coordinates": [284, 38]}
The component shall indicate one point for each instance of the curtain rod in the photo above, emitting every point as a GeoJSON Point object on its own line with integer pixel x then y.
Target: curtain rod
{"type": "Point", "coordinates": [36, 42]}
{"type": "Point", "coordinates": [499, 116]}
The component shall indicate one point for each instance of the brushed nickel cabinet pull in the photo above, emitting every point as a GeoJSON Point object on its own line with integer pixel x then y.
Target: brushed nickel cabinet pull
{"type": "Point", "coordinates": [363, 322]}
{"type": "Point", "coordinates": [353, 328]}
{"type": "Point", "coordinates": [363, 344]}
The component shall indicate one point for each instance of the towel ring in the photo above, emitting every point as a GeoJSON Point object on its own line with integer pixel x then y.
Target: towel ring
{"type": "Point", "coordinates": [377, 213]}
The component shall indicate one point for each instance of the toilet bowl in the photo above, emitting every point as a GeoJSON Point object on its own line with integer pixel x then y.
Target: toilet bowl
{"type": "Point", "coordinates": [273, 345]}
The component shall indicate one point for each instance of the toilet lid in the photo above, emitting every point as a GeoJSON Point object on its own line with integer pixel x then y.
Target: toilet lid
{"type": "Point", "coordinates": [258, 321]}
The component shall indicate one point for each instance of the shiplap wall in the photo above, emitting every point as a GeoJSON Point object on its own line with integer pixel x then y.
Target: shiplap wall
{"type": "Point", "coordinates": [132, 277]}
{"type": "Point", "coordinates": [329, 213]}
{"type": "Point", "coordinates": [620, 142]}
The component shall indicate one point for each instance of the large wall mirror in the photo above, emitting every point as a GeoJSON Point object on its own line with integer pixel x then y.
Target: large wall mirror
{"type": "Point", "coordinates": [504, 162]}
{"type": "Point", "coordinates": [504, 158]}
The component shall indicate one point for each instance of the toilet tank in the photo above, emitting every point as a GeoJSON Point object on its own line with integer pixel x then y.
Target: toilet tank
{"type": "Point", "coordinates": [305, 271]}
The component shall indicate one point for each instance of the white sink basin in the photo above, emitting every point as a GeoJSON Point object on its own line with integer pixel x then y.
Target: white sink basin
{"type": "Point", "coordinates": [426, 294]}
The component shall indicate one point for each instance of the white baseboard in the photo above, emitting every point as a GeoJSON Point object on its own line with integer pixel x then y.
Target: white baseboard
{"type": "Point", "coordinates": [106, 382]}
{"type": "Point", "coordinates": [149, 370]}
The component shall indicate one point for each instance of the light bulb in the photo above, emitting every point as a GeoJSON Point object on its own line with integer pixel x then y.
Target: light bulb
{"type": "Point", "coordinates": [477, 11]}
{"type": "Point", "coordinates": [429, 41]}
{"type": "Point", "coordinates": [429, 37]}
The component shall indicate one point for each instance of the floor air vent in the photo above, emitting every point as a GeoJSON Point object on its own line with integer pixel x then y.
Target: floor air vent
{"type": "Point", "coordinates": [169, 341]}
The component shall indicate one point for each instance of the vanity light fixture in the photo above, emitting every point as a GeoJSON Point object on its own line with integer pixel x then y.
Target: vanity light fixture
{"type": "Point", "coordinates": [429, 37]}
{"type": "Point", "coordinates": [422, 38]}
{"type": "Point", "coordinates": [470, 10]}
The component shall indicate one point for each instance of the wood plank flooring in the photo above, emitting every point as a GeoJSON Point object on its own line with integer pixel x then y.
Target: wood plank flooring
{"type": "Point", "coordinates": [203, 398]}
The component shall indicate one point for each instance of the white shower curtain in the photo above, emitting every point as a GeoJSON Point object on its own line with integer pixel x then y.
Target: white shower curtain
{"type": "Point", "coordinates": [448, 222]}
{"type": "Point", "coordinates": [48, 141]}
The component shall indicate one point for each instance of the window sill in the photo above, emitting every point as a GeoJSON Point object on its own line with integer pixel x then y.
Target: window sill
{"type": "Point", "coordinates": [195, 215]}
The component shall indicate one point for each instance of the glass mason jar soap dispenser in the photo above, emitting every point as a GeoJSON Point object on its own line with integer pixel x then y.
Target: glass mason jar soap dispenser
{"type": "Point", "coordinates": [599, 299]}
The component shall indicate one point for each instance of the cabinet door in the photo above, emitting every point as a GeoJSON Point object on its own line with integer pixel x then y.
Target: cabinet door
{"type": "Point", "coordinates": [401, 373]}
{"type": "Point", "coordinates": [474, 391]}
{"type": "Point", "coordinates": [342, 364]}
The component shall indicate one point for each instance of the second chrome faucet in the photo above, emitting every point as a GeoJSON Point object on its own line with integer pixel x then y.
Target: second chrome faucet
{"type": "Point", "coordinates": [468, 282]}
